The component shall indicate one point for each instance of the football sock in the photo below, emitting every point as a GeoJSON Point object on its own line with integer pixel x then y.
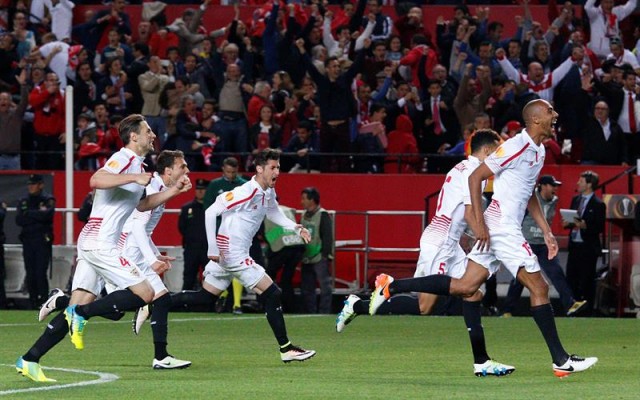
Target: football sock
{"type": "Point", "coordinates": [396, 305]}
{"type": "Point", "coordinates": [53, 334]}
{"type": "Point", "coordinates": [192, 298]}
{"type": "Point", "coordinates": [160, 325]}
{"type": "Point", "coordinates": [273, 308]}
{"type": "Point", "coordinates": [120, 300]}
{"type": "Point", "coordinates": [361, 307]}
{"type": "Point", "coordinates": [237, 293]}
{"type": "Point", "coordinates": [62, 302]}
{"type": "Point", "coordinates": [436, 284]}
{"type": "Point", "coordinates": [114, 316]}
{"type": "Point", "coordinates": [472, 316]}
{"type": "Point", "coordinates": [543, 315]}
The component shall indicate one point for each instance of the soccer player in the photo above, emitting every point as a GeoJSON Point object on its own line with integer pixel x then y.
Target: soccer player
{"type": "Point", "coordinates": [137, 246]}
{"type": "Point", "coordinates": [441, 253]}
{"type": "Point", "coordinates": [243, 209]}
{"type": "Point", "coordinates": [119, 188]}
{"type": "Point", "coordinates": [516, 165]}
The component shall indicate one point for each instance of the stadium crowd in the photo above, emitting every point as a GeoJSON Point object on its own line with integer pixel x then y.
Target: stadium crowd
{"type": "Point", "coordinates": [316, 78]}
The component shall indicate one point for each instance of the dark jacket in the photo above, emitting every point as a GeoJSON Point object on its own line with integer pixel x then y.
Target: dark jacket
{"type": "Point", "coordinates": [191, 224]}
{"type": "Point", "coordinates": [599, 150]}
{"type": "Point", "coordinates": [594, 216]}
{"type": "Point", "coordinates": [35, 216]}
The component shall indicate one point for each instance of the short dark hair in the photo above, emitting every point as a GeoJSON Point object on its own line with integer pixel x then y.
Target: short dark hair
{"type": "Point", "coordinates": [265, 155]}
{"type": "Point", "coordinates": [312, 194]}
{"type": "Point", "coordinates": [375, 107]}
{"type": "Point", "coordinates": [142, 48]}
{"type": "Point", "coordinates": [494, 25]}
{"type": "Point", "coordinates": [306, 124]}
{"type": "Point", "coordinates": [329, 59]}
{"type": "Point", "coordinates": [166, 159]}
{"type": "Point", "coordinates": [591, 177]}
{"type": "Point", "coordinates": [130, 124]}
{"type": "Point", "coordinates": [419, 39]}
{"type": "Point", "coordinates": [484, 137]}
{"type": "Point", "coordinates": [230, 161]}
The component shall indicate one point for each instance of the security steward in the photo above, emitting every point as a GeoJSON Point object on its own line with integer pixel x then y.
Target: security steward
{"type": "Point", "coordinates": [194, 236]}
{"type": "Point", "coordinates": [35, 216]}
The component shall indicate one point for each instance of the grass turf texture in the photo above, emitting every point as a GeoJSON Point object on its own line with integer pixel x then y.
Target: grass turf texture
{"type": "Point", "coordinates": [378, 357]}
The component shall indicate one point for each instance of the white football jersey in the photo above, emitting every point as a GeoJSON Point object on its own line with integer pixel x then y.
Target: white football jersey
{"type": "Point", "coordinates": [516, 165]}
{"type": "Point", "coordinates": [112, 207]}
{"type": "Point", "coordinates": [149, 219]}
{"type": "Point", "coordinates": [448, 221]}
{"type": "Point", "coordinates": [243, 209]}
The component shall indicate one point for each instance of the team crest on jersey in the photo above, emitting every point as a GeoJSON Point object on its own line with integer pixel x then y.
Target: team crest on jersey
{"type": "Point", "coordinates": [228, 196]}
{"type": "Point", "coordinates": [134, 272]}
{"type": "Point", "coordinates": [500, 151]}
{"type": "Point", "coordinates": [113, 164]}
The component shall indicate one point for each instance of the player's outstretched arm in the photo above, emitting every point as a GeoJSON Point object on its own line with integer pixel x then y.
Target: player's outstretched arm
{"type": "Point", "coordinates": [103, 179]}
{"type": "Point", "coordinates": [156, 199]}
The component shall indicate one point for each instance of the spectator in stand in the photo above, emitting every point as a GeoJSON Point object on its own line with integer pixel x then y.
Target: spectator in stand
{"type": "Point", "coordinates": [336, 104]}
{"type": "Point", "coordinates": [151, 84]}
{"type": "Point", "coordinates": [61, 12]}
{"type": "Point", "coordinates": [85, 91]}
{"type": "Point", "coordinates": [265, 133]}
{"type": "Point", "coordinates": [514, 54]}
{"type": "Point", "coordinates": [407, 102]}
{"type": "Point", "coordinates": [116, 49]}
{"type": "Point", "coordinates": [113, 17]}
{"type": "Point", "coordinates": [394, 50]}
{"type": "Point", "coordinates": [604, 21]}
{"type": "Point", "coordinates": [304, 143]}
{"type": "Point", "coordinates": [161, 39]}
{"type": "Point", "coordinates": [56, 56]}
{"type": "Point", "coordinates": [420, 47]}
{"type": "Point", "coordinates": [623, 108]}
{"type": "Point", "coordinates": [134, 70]}
{"type": "Point", "coordinates": [260, 98]}
{"type": "Point", "coordinates": [101, 116]}
{"type": "Point", "coordinates": [8, 60]}
{"type": "Point", "coordinates": [113, 88]}
{"type": "Point", "coordinates": [449, 87]}
{"type": "Point", "coordinates": [411, 24]}
{"type": "Point", "coordinates": [468, 102]}
{"type": "Point", "coordinates": [604, 141]}
{"type": "Point", "coordinates": [47, 101]}
{"type": "Point", "coordinates": [189, 29]}
{"type": "Point", "coordinates": [376, 64]}
{"type": "Point", "coordinates": [190, 133]}
{"type": "Point", "coordinates": [85, 32]}
{"type": "Point", "coordinates": [622, 55]}
{"type": "Point", "coordinates": [384, 25]}
{"type": "Point", "coordinates": [440, 124]}
{"type": "Point", "coordinates": [402, 148]}
{"type": "Point", "coordinates": [232, 96]}
{"type": "Point", "coordinates": [372, 141]}
{"type": "Point", "coordinates": [198, 73]}
{"type": "Point", "coordinates": [26, 38]}
{"type": "Point", "coordinates": [11, 122]}
{"type": "Point", "coordinates": [536, 79]}
{"type": "Point", "coordinates": [281, 91]}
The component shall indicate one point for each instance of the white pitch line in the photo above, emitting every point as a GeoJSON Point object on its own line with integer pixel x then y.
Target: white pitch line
{"type": "Point", "coordinates": [103, 377]}
{"type": "Point", "coordinates": [97, 320]}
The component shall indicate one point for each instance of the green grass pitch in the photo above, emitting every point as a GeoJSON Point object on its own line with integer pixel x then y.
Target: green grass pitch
{"type": "Point", "coordinates": [382, 357]}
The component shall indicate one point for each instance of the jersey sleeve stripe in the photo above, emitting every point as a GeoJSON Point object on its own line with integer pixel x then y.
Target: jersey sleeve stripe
{"type": "Point", "coordinates": [128, 165]}
{"type": "Point", "coordinates": [513, 157]}
{"type": "Point", "coordinates": [230, 206]}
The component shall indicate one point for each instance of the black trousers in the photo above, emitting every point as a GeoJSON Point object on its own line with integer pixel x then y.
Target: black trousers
{"type": "Point", "coordinates": [50, 152]}
{"type": "Point", "coordinates": [195, 257]}
{"type": "Point", "coordinates": [36, 252]}
{"type": "Point", "coordinates": [286, 260]}
{"type": "Point", "coordinates": [335, 139]}
{"type": "Point", "coordinates": [581, 272]}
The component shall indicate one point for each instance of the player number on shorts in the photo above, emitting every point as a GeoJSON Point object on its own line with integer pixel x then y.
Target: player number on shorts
{"type": "Point", "coordinates": [124, 262]}
{"type": "Point", "coordinates": [441, 270]}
